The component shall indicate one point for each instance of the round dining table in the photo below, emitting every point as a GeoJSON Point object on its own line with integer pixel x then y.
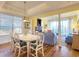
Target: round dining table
{"type": "Point", "coordinates": [28, 38]}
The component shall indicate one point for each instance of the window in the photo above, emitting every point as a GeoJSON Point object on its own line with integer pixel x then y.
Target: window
{"type": "Point", "coordinates": [17, 24]}
{"type": "Point", "coordinates": [9, 23]}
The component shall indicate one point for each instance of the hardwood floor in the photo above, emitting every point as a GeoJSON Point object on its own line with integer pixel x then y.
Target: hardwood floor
{"type": "Point", "coordinates": [50, 51]}
{"type": "Point", "coordinates": [66, 51]}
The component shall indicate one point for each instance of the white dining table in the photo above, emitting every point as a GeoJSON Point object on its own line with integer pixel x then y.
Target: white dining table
{"type": "Point", "coordinates": [28, 38]}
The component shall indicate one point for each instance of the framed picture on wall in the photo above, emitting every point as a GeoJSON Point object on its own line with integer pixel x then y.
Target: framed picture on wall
{"type": "Point", "coordinates": [27, 25]}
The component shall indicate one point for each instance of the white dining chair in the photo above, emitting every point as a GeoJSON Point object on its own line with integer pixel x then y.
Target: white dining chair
{"type": "Point", "coordinates": [37, 45]}
{"type": "Point", "coordinates": [18, 44]}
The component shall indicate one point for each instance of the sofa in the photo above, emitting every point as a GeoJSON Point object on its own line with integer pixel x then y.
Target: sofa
{"type": "Point", "coordinates": [50, 38]}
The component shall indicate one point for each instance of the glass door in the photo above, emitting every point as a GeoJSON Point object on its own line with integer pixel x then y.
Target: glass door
{"type": "Point", "coordinates": [65, 27]}
{"type": "Point", "coordinates": [54, 26]}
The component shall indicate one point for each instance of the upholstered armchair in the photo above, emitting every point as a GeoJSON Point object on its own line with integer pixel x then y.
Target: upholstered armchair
{"type": "Point", "coordinates": [50, 38]}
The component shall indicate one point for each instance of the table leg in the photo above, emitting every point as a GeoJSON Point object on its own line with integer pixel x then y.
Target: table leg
{"type": "Point", "coordinates": [28, 44]}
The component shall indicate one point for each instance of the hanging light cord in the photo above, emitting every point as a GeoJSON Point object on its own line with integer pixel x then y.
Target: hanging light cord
{"type": "Point", "coordinates": [24, 9]}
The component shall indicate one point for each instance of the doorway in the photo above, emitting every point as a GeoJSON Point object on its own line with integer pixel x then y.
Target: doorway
{"type": "Point", "coordinates": [39, 27]}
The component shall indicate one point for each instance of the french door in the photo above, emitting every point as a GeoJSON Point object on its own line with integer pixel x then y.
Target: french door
{"type": "Point", "coordinates": [65, 27]}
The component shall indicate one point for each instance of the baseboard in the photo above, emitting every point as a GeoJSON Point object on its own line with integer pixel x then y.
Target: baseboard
{"type": "Point", "coordinates": [5, 43]}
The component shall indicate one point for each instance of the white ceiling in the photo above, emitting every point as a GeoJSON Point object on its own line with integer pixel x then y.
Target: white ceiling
{"type": "Point", "coordinates": [20, 4]}
{"type": "Point", "coordinates": [34, 7]}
